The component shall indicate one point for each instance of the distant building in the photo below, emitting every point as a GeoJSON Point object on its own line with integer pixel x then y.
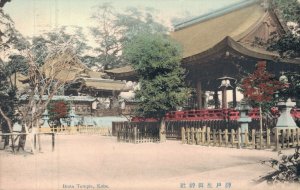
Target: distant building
{"type": "Point", "coordinates": [90, 93]}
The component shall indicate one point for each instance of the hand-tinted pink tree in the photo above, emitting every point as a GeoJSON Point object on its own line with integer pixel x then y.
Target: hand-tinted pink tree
{"type": "Point", "coordinates": [260, 86]}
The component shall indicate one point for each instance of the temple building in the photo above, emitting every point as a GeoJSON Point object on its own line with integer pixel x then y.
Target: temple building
{"type": "Point", "coordinates": [90, 93]}
{"type": "Point", "coordinates": [222, 47]}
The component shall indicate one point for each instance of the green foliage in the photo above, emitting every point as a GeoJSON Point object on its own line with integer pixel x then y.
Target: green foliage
{"type": "Point", "coordinates": [291, 88]}
{"type": "Point", "coordinates": [288, 45]}
{"type": "Point", "coordinates": [47, 43]}
{"type": "Point", "coordinates": [288, 9]}
{"type": "Point", "coordinates": [157, 61]}
{"type": "Point", "coordinates": [287, 169]}
{"type": "Point", "coordinates": [113, 30]}
{"type": "Point", "coordinates": [7, 100]}
{"type": "Point", "coordinates": [2, 3]}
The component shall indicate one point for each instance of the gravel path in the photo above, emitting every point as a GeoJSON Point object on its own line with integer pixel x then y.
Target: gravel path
{"type": "Point", "coordinates": [97, 162]}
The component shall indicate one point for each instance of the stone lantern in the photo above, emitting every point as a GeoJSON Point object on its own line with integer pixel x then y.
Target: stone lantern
{"type": "Point", "coordinates": [71, 118]}
{"type": "Point", "coordinates": [226, 85]}
{"type": "Point", "coordinates": [45, 118]}
{"type": "Point", "coordinates": [285, 119]}
{"type": "Point", "coordinates": [244, 119]}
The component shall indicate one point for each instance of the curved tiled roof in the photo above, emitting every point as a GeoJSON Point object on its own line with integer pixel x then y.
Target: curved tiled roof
{"type": "Point", "coordinates": [104, 84]}
{"type": "Point", "coordinates": [204, 34]}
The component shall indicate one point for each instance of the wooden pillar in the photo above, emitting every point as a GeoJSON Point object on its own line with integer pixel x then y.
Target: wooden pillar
{"type": "Point", "coordinates": [216, 99]}
{"type": "Point", "coordinates": [204, 98]}
{"type": "Point", "coordinates": [199, 94]}
{"type": "Point", "coordinates": [34, 141]}
{"type": "Point", "coordinates": [234, 97]}
{"type": "Point", "coordinates": [224, 98]}
{"type": "Point", "coordinates": [53, 141]}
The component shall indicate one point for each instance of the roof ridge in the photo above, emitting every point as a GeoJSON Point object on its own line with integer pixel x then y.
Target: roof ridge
{"type": "Point", "coordinates": [215, 13]}
{"type": "Point", "coordinates": [103, 80]}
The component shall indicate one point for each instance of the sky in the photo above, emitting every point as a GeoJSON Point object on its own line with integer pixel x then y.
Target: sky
{"type": "Point", "coordinates": [33, 17]}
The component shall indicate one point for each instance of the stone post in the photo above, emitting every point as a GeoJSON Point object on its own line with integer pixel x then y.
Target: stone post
{"type": "Point", "coordinates": [244, 120]}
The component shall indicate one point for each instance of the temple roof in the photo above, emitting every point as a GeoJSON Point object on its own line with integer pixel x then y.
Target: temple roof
{"type": "Point", "coordinates": [239, 21]}
{"type": "Point", "coordinates": [122, 73]}
{"type": "Point", "coordinates": [65, 98]}
{"type": "Point", "coordinates": [103, 84]}
{"type": "Point", "coordinates": [241, 30]}
{"type": "Point", "coordinates": [68, 67]}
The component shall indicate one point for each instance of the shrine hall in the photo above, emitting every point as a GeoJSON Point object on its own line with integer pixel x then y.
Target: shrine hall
{"type": "Point", "coordinates": [222, 47]}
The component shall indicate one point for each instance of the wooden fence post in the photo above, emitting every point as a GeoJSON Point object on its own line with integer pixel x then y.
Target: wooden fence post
{"type": "Point", "coordinates": [192, 135]}
{"type": "Point", "coordinates": [239, 138]}
{"type": "Point", "coordinates": [220, 137]}
{"type": "Point", "coordinates": [203, 134]}
{"type": "Point", "coordinates": [34, 141]}
{"type": "Point", "coordinates": [232, 137]}
{"type": "Point", "coordinates": [268, 138]}
{"type": "Point", "coordinates": [294, 137]}
{"type": "Point", "coordinates": [188, 135]}
{"type": "Point", "coordinates": [182, 135]}
{"type": "Point", "coordinates": [253, 138]}
{"type": "Point", "coordinates": [277, 147]}
{"type": "Point", "coordinates": [246, 138]}
{"type": "Point", "coordinates": [298, 136]}
{"type": "Point", "coordinates": [199, 135]}
{"type": "Point", "coordinates": [226, 137]}
{"type": "Point", "coordinates": [214, 137]}
{"type": "Point", "coordinates": [260, 139]}
{"type": "Point", "coordinates": [208, 135]}
{"type": "Point", "coordinates": [288, 138]}
{"type": "Point", "coordinates": [283, 134]}
{"type": "Point", "coordinates": [53, 141]}
{"type": "Point", "coordinates": [134, 134]}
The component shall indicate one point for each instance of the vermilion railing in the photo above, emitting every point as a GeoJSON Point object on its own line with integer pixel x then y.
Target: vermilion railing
{"type": "Point", "coordinates": [222, 114]}
{"type": "Point", "coordinates": [215, 114]}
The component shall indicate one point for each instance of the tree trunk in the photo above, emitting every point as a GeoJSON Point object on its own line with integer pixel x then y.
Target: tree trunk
{"type": "Point", "coordinates": [10, 127]}
{"type": "Point", "coordinates": [30, 138]}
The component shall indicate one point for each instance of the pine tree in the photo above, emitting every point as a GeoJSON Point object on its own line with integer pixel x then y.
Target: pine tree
{"type": "Point", "coordinates": [157, 61]}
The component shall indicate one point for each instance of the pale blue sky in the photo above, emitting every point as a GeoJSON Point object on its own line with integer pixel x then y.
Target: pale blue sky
{"type": "Point", "coordinates": [34, 16]}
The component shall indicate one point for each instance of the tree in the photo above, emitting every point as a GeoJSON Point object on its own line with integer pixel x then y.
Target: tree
{"type": "Point", "coordinates": [42, 44]}
{"type": "Point", "coordinates": [12, 60]}
{"type": "Point", "coordinates": [2, 2]}
{"type": "Point", "coordinates": [112, 30]}
{"type": "Point", "coordinates": [259, 88]}
{"type": "Point", "coordinates": [57, 110]}
{"type": "Point", "coordinates": [157, 61]}
{"type": "Point", "coordinates": [286, 169]}
{"type": "Point", "coordinates": [287, 45]}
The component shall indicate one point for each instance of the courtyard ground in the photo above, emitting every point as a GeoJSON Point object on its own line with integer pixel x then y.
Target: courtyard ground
{"type": "Point", "coordinates": [98, 162]}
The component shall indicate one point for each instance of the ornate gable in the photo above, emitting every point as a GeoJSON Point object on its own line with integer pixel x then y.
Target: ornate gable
{"type": "Point", "coordinates": [267, 28]}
